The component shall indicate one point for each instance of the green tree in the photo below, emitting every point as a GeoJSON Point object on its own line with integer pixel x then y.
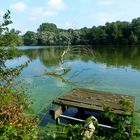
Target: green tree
{"type": "Point", "coordinates": [14, 122]}
{"type": "Point", "coordinates": [63, 38]}
{"type": "Point", "coordinates": [30, 38]}
{"type": "Point", "coordinates": [47, 38]}
{"type": "Point", "coordinates": [75, 37]}
{"type": "Point", "coordinates": [47, 27]}
{"type": "Point", "coordinates": [133, 38]}
{"type": "Point", "coordinates": [135, 27]}
{"type": "Point", "coordinates": [115, 33]}
{"type": "Point", "coordinates": [13, 37]}
{"type": "Point", "coordinates": [97, 35]}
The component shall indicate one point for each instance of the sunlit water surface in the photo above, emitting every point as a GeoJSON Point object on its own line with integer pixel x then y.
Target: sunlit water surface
{"type": "Point", "coordinates": [113, 69]}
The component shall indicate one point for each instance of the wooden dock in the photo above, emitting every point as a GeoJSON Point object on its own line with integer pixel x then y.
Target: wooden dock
{"type": "Point", "coordinates": [92, 100]}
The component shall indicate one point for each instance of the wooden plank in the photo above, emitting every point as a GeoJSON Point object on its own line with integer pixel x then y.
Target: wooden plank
{"type": "Point", "coordinates": [98, 96]}
{"type": "Point", "coordinates": [113, 97]}
{"type": "Point", "coordinates": [83, 106]}
{"type": "Point", "coordinates": [95, 103]}
{"type": "Point", "coordinates": [99, 102]}
{"type": "Point", "coordinates": [99, 92]}
{"type": "Point", "coordinates": [85, 92]}
{"type": "Point", "coordinates": [74, 104]}
{"type": "Point", "coordinates": [94, 100]}
{"type": "Point", "coordinates": [56, 111]}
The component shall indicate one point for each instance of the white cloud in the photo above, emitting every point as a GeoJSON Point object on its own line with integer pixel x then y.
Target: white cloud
{"type": "Point", "coordinates": [1, 16]}
{"type": "Point", "coordinates": [52, 9]}
{"type": "Point", "coordinates": [106, 2]}
{"type": "Point", "coordinates": [19, 7]}
{"type": "Point", "coordinates": [23, 30]}
{"type": "Point", "coordinates": [104, 17]}
{"type": "Point", "coordinates": [38, 12]}
{"type": "Point", "coordinates": [71, 25]}
{"type": "Point", "coordinates": [19, 27]}
{"type": "Point", "coordinates": [56, 5]}
{"type": "Point", "coordinates": [1, 12]}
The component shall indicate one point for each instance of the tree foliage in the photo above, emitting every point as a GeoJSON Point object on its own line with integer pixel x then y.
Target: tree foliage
{"type": "Point", "coordinates": [30, 38]}
{"type": "Point", "coordinates": [115, 33]}
{"type": "Point", "coordinates": [9, 37]}
{"type": "Point", "coordinates": [47, 27]}
{"type": "Point", "coordinates": [14, 122]}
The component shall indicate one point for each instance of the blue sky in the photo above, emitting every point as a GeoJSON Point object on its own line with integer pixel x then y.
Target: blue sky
{"type": "Point", "coordinates": [29, 14]}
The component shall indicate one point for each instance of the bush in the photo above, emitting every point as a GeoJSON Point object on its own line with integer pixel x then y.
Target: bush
{"type": "Point", "coordinates": [14, 123]}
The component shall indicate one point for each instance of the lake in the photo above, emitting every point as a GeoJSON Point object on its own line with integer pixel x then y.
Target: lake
{"type": "Point", "coordinates": [114, 69]}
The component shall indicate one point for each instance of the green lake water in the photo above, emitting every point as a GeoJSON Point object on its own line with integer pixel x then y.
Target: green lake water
{"type": "Point", "coordinates": [114, 69]}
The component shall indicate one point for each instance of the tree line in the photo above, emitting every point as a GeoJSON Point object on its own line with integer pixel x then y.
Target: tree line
{"type": "Point", "coordinates": [115, 33]}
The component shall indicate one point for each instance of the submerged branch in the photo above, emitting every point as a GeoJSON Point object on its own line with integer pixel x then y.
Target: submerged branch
{"type": "Point", "coordinates": [63, 70]}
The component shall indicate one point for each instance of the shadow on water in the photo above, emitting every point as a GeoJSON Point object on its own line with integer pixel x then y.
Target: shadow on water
{"type": "Point", "coordinates": [118, 56]}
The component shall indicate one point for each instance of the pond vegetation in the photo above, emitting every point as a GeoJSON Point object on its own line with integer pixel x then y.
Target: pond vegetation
{"type": "Point", "coordinates": [17, 120]}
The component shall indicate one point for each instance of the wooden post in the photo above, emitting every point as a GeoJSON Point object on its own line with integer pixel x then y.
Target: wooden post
{"type": "Point", "coordinates": [56, 111]}
{"type": "Point", "coordinates": [58, 120]}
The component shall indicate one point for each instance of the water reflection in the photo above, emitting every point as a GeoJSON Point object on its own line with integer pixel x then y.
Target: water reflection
{"type": "Point", "coordinates": [121, 56]}
{"type": "Point", "coordinates": [113, 69]}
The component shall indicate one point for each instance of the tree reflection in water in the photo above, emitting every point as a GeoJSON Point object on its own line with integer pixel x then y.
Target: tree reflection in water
{"type": "Point", "coordinates": [57, 58]}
